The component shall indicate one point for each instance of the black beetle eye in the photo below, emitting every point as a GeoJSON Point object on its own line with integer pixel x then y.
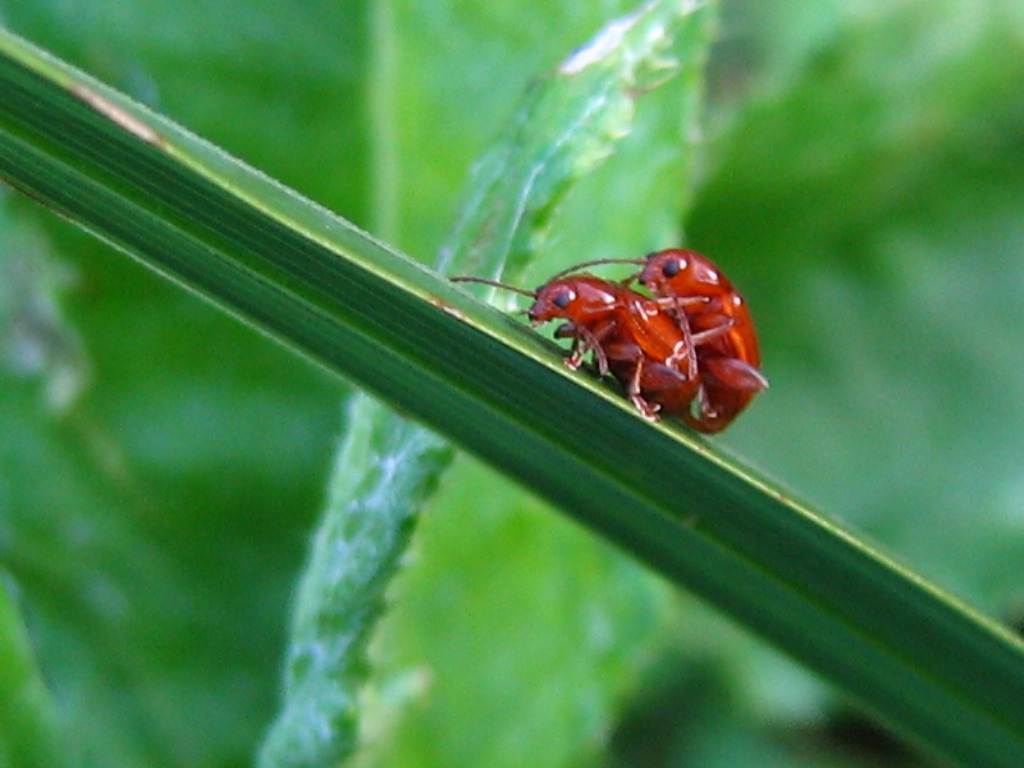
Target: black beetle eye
{"type": "Point", "coordinates": [671, 268]}
{"type": "Point", "coordinates": [562, 299]}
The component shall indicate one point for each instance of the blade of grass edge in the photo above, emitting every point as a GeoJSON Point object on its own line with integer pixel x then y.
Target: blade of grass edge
{"type": "Point", "coordinates": [926, 663]}
{"type": "Point", "coordinates": [567, 124]}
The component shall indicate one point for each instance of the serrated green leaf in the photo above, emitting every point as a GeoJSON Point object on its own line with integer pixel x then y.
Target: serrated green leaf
{"type": "Point", "coordinates": [382, 473]}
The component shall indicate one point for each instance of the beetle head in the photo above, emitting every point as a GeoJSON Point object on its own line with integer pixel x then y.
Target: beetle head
{"type": "Point", "coordinates": [580, 299]}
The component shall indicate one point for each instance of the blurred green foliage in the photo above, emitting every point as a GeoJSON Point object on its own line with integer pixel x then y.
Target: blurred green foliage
{"type": "Point", "coordinates": [860, 173]}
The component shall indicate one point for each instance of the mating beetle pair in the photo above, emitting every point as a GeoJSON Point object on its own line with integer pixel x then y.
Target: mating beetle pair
{"type": "Point", "coordinates": [690, 349]}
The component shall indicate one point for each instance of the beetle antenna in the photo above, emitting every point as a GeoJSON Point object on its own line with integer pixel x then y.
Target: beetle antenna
{"type": "Point", "coordinates": [493, 284]}
{"type": "Point", "coordinates": [595, 263]}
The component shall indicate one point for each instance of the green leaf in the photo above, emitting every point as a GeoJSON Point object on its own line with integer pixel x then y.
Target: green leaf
{"type": "Point", "coordinates": [382, 473]}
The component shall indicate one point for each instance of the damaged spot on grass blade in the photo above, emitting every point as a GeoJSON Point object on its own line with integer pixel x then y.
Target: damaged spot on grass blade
{"type": "Point", "coordinates": [447, 308]}
{"type": "Point", "coordinates": [117, 114]}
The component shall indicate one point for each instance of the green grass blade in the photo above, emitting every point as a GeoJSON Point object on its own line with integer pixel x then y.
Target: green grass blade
{"type": "Point", "coordinates": [915, 656]}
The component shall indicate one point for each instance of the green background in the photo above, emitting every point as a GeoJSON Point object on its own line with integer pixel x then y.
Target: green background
{"type": "Point", "coordinates": [858, 172]}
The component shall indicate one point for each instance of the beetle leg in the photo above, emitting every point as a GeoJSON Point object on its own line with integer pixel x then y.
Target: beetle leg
{"type": "Point", "coordinates": [709, 334]}
{"type": "Point", "coordinates": [584, 341]}
{"type": "Point", "coordinates": [628, 352]}
{"type": "Point", "coordinates": [719, 324]}
{"type": "Point", "coordinates": [595, 338]}
{"type": "Point", "coordinates": [647, 410]}
{"type": "Point", "coordinates": [682, 354]}
{"type": "Point", "coordinates": [681, 303]}
{"type": "Point", "coordinates": [576, 354]}
{"type": "Point", "coordinates": [684, 349]}
{"type": "Point", "coordinates": [713, 325]}
{"type": "Point", "coordinates": [579, 346]}
{"type": "Point", "coordinates": [706, 418]}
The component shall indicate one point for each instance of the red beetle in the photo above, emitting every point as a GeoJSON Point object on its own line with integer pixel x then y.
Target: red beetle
{"type": "Point", "coordinates": [645, 347]}
{"type": "Point", "coordinates": [689, 285]}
